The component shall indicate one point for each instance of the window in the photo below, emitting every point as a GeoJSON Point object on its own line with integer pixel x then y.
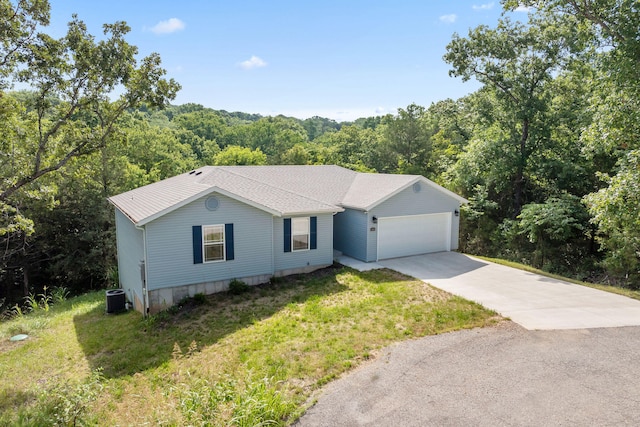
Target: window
{"type": "Point", "coordinates": [300, 233]}
{"type": "Point", "coordinates": [213, 242]}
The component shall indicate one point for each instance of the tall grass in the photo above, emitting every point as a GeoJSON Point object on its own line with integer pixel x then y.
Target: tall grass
{"type": "Point", "coordinates": [255, 358]}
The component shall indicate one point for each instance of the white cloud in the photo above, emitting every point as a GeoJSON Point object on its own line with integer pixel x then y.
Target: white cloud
{"type": "Point", "coordinates": [524, 9]}
{"type": "Point", "coordinates": [253, 62]}
{"type": "Point", "coordinates": [485, 6]}
{"type": "Point", "coordinates": [449, 19]}
{"type": "Point", "coordinates": [169, 26]}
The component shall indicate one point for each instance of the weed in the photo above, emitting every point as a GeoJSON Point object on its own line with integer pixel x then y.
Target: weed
{"type": "Point", "coordinates": [112, 277]}
{"type": "Point", "coordinates": [59, 294]}
{"type": "Point", "coordinates": [237, 287]}
{"type": "Point", "coordinates": [177, 354]}
{"type": "Point", "coordinates": [13, 312]}
{"type": "Point", "coordinates": [65, 404]}
{"type": "Point", "coordinates": [274, 280]}
{"type": "Point", "coordinates": [251, 402]}
{"type": "Point", "coordinates": [200, 298]}
{"type": "Point", "coordinates": [259, 356]}
{"type": "Point", "coordinates": [38, 302]}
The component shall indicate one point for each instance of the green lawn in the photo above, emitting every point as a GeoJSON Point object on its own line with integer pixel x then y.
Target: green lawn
{"type": "Point", "coordinates": [221, 360]}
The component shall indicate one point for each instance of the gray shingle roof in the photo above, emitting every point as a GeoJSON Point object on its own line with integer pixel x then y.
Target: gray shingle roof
{"type": "Point", "coordinates": [280, 190]}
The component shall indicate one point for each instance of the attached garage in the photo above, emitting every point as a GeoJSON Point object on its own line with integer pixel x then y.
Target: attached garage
{"type": "Point", "coordinates": [413, 234]}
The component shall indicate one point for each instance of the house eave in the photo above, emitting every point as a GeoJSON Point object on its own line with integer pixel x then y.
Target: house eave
{"type": "Point", "coordinates": [418, 178]}
{"type": "Point", "coordinates": [332, 210]}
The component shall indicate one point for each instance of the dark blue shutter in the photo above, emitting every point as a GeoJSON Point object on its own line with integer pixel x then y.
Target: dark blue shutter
{"type": "Point", "coordinates": [314, 232]}
{"type": "Point", "coordinates": [228, 241]}
{"type": "Point", "coordinates": [287, 234]}
{"type": "Point", "coordinates": [197, 244]}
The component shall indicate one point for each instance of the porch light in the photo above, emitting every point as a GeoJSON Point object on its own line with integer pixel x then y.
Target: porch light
{"type": "Point", "coordinates": [374, 219]}
{"type": "Point", "coordinates": [456, 212]}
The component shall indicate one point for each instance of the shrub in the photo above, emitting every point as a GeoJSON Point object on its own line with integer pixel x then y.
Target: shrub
{"type": "Point", "coordinates": [199, 298]}
{"type": "Point", "coordinates": [237, 287]}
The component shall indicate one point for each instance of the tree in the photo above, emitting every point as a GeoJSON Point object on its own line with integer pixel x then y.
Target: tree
{"type": "Point", "coordinates": [317, 126]}
{"type": "Point", "coordinates": [274, 136]}
{"type": "Point", "coordinates": [555, 227]}
{"type": "Point", "coordinates": [409, 138]}
{"type": "Point", "coordinates": [206, 124]}
{"type": "Point", "coordinates": [516, 62]}
{"type": "Point", "coordinates": [69, 112]}
{"type": "Point", "coordinates": [613, 23]}
{"type": "Point", "coordinates": [610, 141]}
{"type": "Point", "coordinates": [18, 32]}
{"type": "Point", "coordinates": [232, 155]}
{"type": "Point", "coordinates": [616, 211]}
{"type": "Point", "coordinates": [296, 155]}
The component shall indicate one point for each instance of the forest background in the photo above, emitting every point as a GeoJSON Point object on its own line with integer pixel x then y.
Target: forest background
{"type": "Point", "coordinates": [547, 150]}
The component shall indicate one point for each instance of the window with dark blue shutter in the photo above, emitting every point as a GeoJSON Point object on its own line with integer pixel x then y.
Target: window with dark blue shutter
{"type": "Point", "coordinates": [287, 234]}
{"type": "Point", "coordinates": [228, 241]}
{"type": "Point", "coordinates": [197, 244]}
{"type": "Point", "coordinates": [313, 230]}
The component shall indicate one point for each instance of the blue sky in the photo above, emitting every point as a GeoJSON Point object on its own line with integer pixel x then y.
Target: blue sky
{"type": "Point", "coordinates": [337, 59]}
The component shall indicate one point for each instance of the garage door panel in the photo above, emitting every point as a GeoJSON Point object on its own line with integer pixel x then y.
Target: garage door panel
{"type": "Point", "coordinates": [413, 235]}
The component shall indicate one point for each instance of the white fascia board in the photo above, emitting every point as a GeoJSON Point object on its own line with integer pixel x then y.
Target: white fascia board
{"type": "Point", "coordinates": [202, 194]}
{"type": "Point", "coordinates": [333, 210]}
{"type": "Point", "coordinates": [418, 178]}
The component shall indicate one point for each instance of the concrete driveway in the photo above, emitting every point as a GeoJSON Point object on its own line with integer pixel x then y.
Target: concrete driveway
{"type": "Point", "coordinates": [531, 300]}
{"type": "Point", "coordinates": [504, 375]}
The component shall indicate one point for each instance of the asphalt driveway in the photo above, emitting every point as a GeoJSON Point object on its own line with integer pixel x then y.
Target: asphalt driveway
{"type": "Point", "coordinates": [531, 300]}
{"type": "Point", "coordinates": [555, 372]}
{"type": "Point", "coordinates": [497, 376]}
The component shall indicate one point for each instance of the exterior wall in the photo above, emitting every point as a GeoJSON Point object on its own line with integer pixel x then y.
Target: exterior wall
{"type": "Point", "coordinates": [170, 245]}
{"type": "Point", "coordinates": [350, 229]}
{"type": "Point", "coordinates": [258, 251]}
{"type": "Point", "coordinates": [427, 201]}
{"type": "Point", "coordinates": [130, 246]}
{"type": "Point", "coordinates": [290, 262]}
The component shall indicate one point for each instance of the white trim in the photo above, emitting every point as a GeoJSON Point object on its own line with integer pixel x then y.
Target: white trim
{"type": "Point", "coordinates": [145, 283]}
{"type": "Point", "coordinates": [448, 228]}
{"type": "Point", "coordinates": [418, 178]}
{"type": "Point", "coordinates": [202, 194]}
{"type": "Point", "coordinates": [224, 244]}
{"type": "Point", "coordinates": [308, 234]}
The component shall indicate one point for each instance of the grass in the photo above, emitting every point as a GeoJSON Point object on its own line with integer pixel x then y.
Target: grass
{"type": "Point", "coordinates": [631, 293]}
{"type": "Point", "coordinates": [256, 358]}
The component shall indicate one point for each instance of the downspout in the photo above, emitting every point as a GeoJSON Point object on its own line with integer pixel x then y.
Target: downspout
{"type": "Point", "coordinates": [273, 248]}
{"type": "Point", "coordinates": [145, 291]}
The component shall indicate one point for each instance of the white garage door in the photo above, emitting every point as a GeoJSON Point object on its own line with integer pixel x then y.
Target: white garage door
{"type": "Point", "coordinates": [412, 235]}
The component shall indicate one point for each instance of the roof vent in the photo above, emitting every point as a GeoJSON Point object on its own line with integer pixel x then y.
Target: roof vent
{"type": "Point", "coordinates": [192, 172]}
{"type": "Point", "coordinates": [198, 173]}
{"type": "Point", "coordinates": [417, 187]}
{"type": "Point", "coordinates": [212, 203]}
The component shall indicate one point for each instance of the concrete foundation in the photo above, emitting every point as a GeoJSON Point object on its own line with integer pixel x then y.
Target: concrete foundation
{"type": "Point", "coordinates": [161, 299]}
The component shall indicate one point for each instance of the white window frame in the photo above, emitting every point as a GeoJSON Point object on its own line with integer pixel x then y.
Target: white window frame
{"type": "Point", "coordinates": [293, 234]}
{"type": "Point", "coordinates": [206, 244]}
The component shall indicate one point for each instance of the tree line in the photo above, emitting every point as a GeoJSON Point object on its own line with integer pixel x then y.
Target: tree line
{"type": "Point", "coordinates": [547, 150]}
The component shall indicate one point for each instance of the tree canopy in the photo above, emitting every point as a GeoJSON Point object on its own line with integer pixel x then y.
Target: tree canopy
{"type": "Point", "coordinates": [546, 150]}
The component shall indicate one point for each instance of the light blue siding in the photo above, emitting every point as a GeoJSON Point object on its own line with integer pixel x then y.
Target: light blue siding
{"type": "Point", "coordinates": [350, 229]}
{"type": "Point", "coordinates": [323, 255]}
{"type": "Point", "coordinates": [170, 244]}
{"type": "Point", "coordinates": [407, 202]}
{"type": "Point", "coordinates": [130, 255]}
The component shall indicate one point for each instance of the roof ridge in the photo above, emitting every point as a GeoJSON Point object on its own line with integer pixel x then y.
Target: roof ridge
{"type": "Point", "coordinates": [273, 186]}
